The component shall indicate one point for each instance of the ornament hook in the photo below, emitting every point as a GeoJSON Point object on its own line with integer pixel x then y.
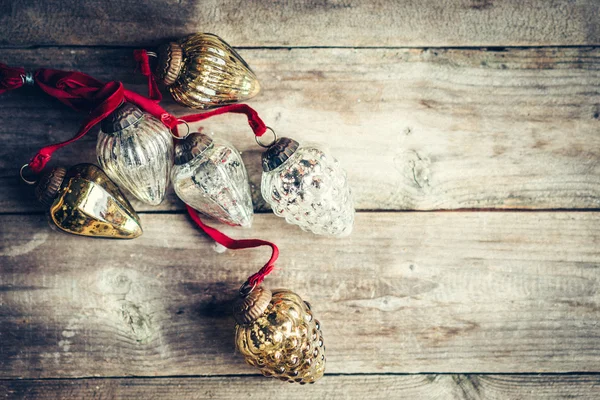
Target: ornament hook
{"type": "Point", "coordinates": [257, 138]}
{"type": "Point", "coordinates": [151, 54]}
{"type": "Point", "coordinates": [246, 289]}
{"type": "Point", "coordinates": [187, 133]}
{"type": "Point", "coordinates": [23, 177]}
{"type": "Point", "coordinates": [27, 79]}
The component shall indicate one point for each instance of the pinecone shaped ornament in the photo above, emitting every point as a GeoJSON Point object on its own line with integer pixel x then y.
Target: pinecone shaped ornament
{"type": "Point", "coordinates": [202, 71]}
{"type": "Point", "coordinates": [277, 333]}
{"type": "Point", "coordinates": [136, 151]}
{"type": "Point", "coordinates": [307, 186]}
{"type": "Point", "coordinates": [209, 175]}
{"type": "Point", "coordinates": [84, 201]}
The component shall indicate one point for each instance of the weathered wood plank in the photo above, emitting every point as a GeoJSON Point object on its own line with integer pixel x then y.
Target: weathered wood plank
{"type": "Point", "coordinates": [416, 129]}
{"type": "Point", "coordinates": [414, 387]}
{"type": "Point", "coordinates": [407, 292]}
{"type": "Point", "coordinates": [304, 23]}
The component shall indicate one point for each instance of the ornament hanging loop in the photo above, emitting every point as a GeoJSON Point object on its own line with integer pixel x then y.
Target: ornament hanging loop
{"type": "Point", "coordinates": [186, 134]}
{"type": "Point", "coordinates": [27, 181]}
{"type": "Point", "coordinates": [247, 288]}
{"type": "Point", "coordinates": [27, 79]}
{"type": "Point", "coordinates": [152, 54]}
{"type": "Point", "coordinates": [266, 146]}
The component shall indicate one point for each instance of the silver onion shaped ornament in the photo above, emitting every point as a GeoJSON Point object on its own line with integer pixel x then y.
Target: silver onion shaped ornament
{"type": "Point", "coordinates": [136, 152]}
{"type": "Point", "coordinates": [307, 186]}
{"type": "Point", "coordinates": [210, 176]}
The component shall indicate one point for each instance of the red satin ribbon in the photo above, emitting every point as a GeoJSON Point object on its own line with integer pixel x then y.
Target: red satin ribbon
{"type": "Point", "coordinates": [84, 93]}
{"type": "Point", "coordinates": [141, 56]}
{"type": "Point", "coordinates": [234, 244]}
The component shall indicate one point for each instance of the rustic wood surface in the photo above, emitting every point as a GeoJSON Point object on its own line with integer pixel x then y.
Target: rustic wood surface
{"type": "Point", "coordinates": [383, 387]}
{"type": "Point", "coordinates": [304, 23]}
{"type": "Point", "coordinates": [416, 129]}
{"type": "Point", "coordinates": [407, 292]}
{"type": "Point", "coordinates": [476, 107]}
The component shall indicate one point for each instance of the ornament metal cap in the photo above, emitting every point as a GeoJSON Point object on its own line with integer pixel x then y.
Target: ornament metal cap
{"type": "Point", "coordinates": [278, 153]}
{"type": "Point", "coordinates": [248, 307]}
{"type": "Point", "coordinates": [49, 185]}
{"type": "Point", "coordinates": [124, 116]}
{"type": "Point", "coordinates": [190, 147]}
{"type": "Point", "coordinates": [170, 62]}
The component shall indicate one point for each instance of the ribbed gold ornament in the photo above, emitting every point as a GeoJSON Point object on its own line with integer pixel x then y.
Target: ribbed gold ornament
{"type": "Point", "coordinates": [202, 71]}
{"type": "Point", "coordinates": [283, 340]}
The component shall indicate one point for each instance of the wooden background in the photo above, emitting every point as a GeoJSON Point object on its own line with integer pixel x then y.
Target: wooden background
{"type": "Point", "coordinates": [470, 131]}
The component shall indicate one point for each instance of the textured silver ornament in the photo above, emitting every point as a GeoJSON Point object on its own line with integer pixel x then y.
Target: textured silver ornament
{"type": "Point", "coordinates": [307, 186]}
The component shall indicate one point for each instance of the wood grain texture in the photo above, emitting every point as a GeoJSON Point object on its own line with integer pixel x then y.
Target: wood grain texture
{"type": "Point", "coordinates": [415, 129]}
{"type": "Point", "coordinates": [414, 387]}
{"type": "Point", "coordinates": [304, 23]}
{"type": "Point", "coordinates": [407, 292]}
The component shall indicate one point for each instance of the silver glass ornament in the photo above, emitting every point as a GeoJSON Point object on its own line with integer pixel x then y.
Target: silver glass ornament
{"type": "Point", "coordinates": [136, 152]}
{"type": "Point", "coordinates": [307, 186]}
{"type": "Point", "coordinates": [210, 176]}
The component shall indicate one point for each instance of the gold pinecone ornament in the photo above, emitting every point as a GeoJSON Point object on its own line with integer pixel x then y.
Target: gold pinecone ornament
{"type": "Point", "coordinates": [277, 333]}
{"type": "Point", "coordinates": [203, 71]}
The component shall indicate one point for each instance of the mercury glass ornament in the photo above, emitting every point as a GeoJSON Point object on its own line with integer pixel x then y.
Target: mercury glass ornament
{"type": "Point", "coordinates": [307, 186]}
{"type": "Point", "coordinates": [202, 71]}
{"type": "Point", "coordinates": [277, 333]}
{"type": "Point", "coordinates": [136, 151]}
{"type": "Point", "coordinates": [210, 176]}
{"type": "Point", "coordinates": [84, 201]}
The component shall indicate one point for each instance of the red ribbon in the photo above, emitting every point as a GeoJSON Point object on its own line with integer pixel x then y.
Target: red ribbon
{"type": "Point", "coordinates": [11, 78]}
{"type": "Point", "coordinates": [84, 93]}
{"type": "Point", "coordinates": [234, 244]}
{"type": "Point", "coordinates": [141, 56]}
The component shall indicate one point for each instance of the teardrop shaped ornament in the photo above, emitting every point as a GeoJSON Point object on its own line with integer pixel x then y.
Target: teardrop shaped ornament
{"type": "Point", "coordinates": [210, 176]}
{"type": "Point", "coordinates": [84, 201]}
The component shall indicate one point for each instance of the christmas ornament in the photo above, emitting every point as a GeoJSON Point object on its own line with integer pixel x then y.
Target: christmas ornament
{"type": "Point", "coordinates": [275, 331]}
{"type": "Point", "coordinates": [202, 71]}
{"type": "Point", "coordinates": [84, 201]}
{"type": "Point", "coordinates": [136, 151]}
{"type": "Point", "coordinates": [306, 185]}
{"type": "Point", "coordinates": [210, 176]}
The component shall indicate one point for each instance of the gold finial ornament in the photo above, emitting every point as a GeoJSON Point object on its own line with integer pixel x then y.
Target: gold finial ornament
{"type": "Point", "coordinates": [281, 338]}
{"type": "Point", "coordinates": [203, 71]}
{"type": "Point", "coordinates": [84, 201]}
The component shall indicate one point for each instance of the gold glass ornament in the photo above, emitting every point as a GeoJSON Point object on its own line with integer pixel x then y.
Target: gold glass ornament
{"type": "Point", "coordinates": [202, 71]}
{"type": "Point", "coordinates": [277, 333]}
{"type": "Point", "coordinates": [84, 201]}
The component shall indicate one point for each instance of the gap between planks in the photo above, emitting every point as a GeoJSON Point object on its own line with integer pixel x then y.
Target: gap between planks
{"type": "Point", "coordinates": [366, 374]}
{"type": "Point", "coordinates": [374, 211]}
